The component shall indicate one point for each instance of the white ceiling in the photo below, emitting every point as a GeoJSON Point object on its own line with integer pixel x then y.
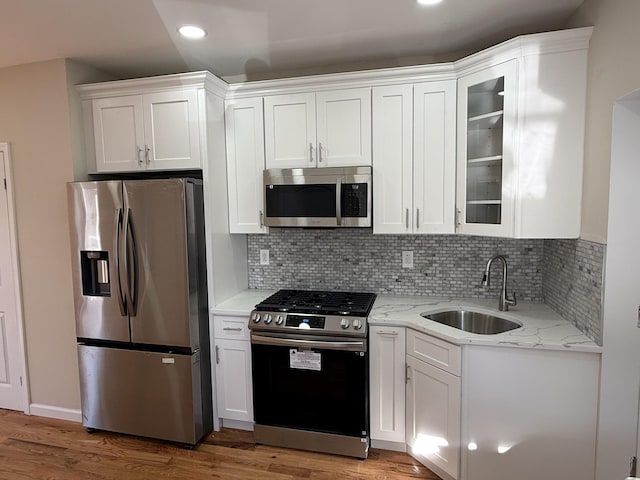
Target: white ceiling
{"type": "Point", "coordinates": [262, 38]}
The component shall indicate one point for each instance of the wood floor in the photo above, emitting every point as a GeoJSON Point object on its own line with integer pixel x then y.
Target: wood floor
{"type": "Point", "coordinates": [47, 449]}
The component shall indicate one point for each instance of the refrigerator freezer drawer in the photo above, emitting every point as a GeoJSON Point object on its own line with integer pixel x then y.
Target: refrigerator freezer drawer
{"type": "Point", "coordinates": [142, 393]}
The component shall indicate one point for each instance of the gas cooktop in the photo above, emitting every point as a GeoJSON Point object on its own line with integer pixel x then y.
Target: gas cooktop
{"type": "Point", "coordinates": [312, 312]}
{"type": "Point", "coordinates": [351, 304]}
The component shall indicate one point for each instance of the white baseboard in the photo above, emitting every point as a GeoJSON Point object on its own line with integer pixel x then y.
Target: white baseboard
{"type": "Point", "coordinates": [237, 424]}
{"type": "Point", "coordinates": [60, 413]}
{"type": "Point", "coordinates": [386, 445]}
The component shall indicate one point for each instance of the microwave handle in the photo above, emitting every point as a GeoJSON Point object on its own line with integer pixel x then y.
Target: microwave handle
{"type": "Point", "coordinates": [339, 201]}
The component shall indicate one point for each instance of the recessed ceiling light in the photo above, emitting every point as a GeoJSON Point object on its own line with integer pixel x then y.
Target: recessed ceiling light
{"type": "Point", "coordinates": [191, 31]}
{"type": "Point", "coordinates": [429, 2]}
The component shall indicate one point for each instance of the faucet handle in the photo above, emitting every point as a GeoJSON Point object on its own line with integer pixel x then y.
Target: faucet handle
{"type": "Point", "coordinates": [512, 300]}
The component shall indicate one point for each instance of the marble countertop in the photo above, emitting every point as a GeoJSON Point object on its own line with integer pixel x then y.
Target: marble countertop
{"type": "Point", "coordinates": [242, 303]}
{"type": "Point", "coordinates": [542, 327]}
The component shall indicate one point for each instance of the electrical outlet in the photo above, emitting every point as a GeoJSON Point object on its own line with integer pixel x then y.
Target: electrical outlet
{"type": "Point", "coordinates": [407, 259]}
{"type": "Point", "coordinates": [264, 257]}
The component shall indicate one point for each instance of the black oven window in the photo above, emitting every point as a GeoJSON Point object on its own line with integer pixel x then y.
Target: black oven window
{"type": "Point", "coordinates": [301, 200]}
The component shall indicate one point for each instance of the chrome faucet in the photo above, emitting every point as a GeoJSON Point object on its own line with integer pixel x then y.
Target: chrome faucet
{"type": "Point", "coordinates": [505, 301]}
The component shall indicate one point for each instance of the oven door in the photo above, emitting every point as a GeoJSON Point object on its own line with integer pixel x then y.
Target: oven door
{"type": "Point", "coordinates": [311, 384]}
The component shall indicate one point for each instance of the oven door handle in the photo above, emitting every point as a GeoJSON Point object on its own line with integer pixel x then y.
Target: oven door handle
{"type": "Point", "coordinates": [352, 346]}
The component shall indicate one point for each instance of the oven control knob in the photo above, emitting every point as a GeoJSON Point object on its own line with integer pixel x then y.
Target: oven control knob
{"type": "Point", "coordinates": [344, 323]}
{"type": "Point", "coordinates": [267, 319]}
{"type": "Point", "coordinates": [256, 318]}
{"type": "Point", "coordinates": [357, 324]}
{"type": "Point", "coordinates": [279, 320]}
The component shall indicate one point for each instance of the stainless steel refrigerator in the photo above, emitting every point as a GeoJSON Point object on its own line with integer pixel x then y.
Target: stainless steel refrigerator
{"type": "Point", "coordinates": [139, 277]}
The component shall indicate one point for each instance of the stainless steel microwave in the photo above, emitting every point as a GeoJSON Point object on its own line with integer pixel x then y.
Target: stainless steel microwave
{"type": "Point", "coordinates": [317, 197]}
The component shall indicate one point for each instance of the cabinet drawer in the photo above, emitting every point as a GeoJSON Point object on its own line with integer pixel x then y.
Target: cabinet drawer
{"type": "Point", "coordinates": [434, 351]}
{"type": "Point", "coordinates": [233, 328]}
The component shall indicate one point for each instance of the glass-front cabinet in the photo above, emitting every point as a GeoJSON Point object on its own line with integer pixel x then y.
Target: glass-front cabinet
{"type": "Point", "coordinates": [486, 125]}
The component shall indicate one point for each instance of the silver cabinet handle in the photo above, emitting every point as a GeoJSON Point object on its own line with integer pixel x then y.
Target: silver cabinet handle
{"type": "Point", "coordinates": [310, 152]}
{"type": "Point", "coordinates": [339, 201]}
{"type": "Point", "coordinates": [384, 332]}
{"type": "Point", "coordinates": [147, 154]}
{"type": "Point", "coordinates": [407, 377]}
{"type": "Point", "coordinates": [140, 161]}
{"type": "Point", "coordinates": [319, 152]}
{"type": "Point", "coordinates": [458, 215]}
{"type": "Point", "coordinates": [417, 219]}
{"type": "Point", "coordinates": [232, 329]}
{"type": "Point", "coordinates": [217, 354]}
{"type": "Point", "coordinates": [406, 221]}
{"type": "Point", "coordinates": [261, 219]}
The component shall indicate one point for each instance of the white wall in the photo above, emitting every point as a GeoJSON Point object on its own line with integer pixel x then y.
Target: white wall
{"type": "Point", "coordinates": [618, 417]}
{"type": "Point", "coordinates": [614, 71]}
{"type": "Point", "coordinates": [35, 119]}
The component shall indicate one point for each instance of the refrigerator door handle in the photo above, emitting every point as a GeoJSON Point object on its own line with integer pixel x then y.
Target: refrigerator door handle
{"type": "Point", "coordinates": [121, 299]}
{"type": "Point", "coordinates": [131, 271]}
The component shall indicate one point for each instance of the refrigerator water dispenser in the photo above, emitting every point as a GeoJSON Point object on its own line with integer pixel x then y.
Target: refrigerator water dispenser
{"type": "Point", "coordinates": [95, 273]}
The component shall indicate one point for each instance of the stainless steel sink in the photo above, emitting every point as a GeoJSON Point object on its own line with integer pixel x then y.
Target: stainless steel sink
{"type": "Point", "coordinates": [473, 322]}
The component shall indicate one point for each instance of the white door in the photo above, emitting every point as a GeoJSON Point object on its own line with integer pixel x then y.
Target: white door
{"type": "Point", "coordinates": [487, 121]}
{"type": "Point", "coordinates": [434, 157]}
{"type": "Point", "coordinates": [13, 392]}
{"type": "Point", "coordinates": [290, 130]}
{"type": "Point", "coordinates": [344, 127]}
{"type": "Point", "coordinates": [119, 134]}
{"type": "Point", "coordinates": [244, 127]}
{"type": "Point", "coordinates": [387, 383]}
{"type": "Point", "coordinates": [172, 138]}
{"type": "Point", "coordinates": [393, 159]}
{"type": "Point", "coordinates": [234, 390]}
{"type": "Point", "coordinates": [433, 416]}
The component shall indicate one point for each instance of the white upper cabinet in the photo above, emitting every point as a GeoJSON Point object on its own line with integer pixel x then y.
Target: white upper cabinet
{"type": "Point", "coordinates": [486, 149]}
{"type": "Point", "coordinates": [119, 133]}
{"type": "Point", "coordinates": [155, 131]}
{"type": "Point", "coordinates": [521, 117]}
{"type": "Point", "coordinates": [414, 157]}
{"type": "Point", "coordinates": [245, 163]}
{"type": "Point", "coordinates": [326, 129]}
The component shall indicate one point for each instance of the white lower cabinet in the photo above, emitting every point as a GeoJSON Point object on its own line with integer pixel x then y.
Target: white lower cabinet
{"type": "Point", "coordinates": [232, 356]}
{"type": "Point", "coordinates": [387, 386]}
{"type": "Point", "coordinates": [433, 409]}
{"type": "Point", "coordinates": [529, 414]}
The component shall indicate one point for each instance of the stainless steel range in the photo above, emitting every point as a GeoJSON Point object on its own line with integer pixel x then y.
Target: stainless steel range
{"type": "Point", "coordinates": [311, 371]}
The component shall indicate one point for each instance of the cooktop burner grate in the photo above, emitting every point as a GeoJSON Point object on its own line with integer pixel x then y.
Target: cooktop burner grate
{"type": "Point", "coordinates": [321, 302]}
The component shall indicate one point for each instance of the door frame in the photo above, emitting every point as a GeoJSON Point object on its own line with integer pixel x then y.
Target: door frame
{"type": "Point", "coordinates": [15, 267]}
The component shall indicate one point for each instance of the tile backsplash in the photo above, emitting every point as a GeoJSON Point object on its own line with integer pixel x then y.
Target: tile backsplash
{"type": "Point", "coordinates": [573, 283]}
{"type": "Point", "coordinates": [357, 260]}
{"type": "Point", "coordinates": [565, 274]}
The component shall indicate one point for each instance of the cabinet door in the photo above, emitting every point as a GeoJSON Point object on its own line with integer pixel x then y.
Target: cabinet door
{"type": "Point", "coordinates": [172, 138]}
{"type": "Point", "coordinates": [387, 383]}
{"type": "Point", "coordinates": [434, 157]}
{"type": "Point", "coordinates": [119, 133]}
{"type": "Point", "coordinates": [344, 127]}
{"type": "Point", "coordinates": [245, 163]}
{"type": "Point", "coordinates": [392, 159]}
{"type": "Point", "coordinates": [233, 382]}
{"type": "Point", "coordinates": [290, 131]}
{"type": "Point", "coordinates": [486, 151]}
{"type": "Point", "coordinates": [433, 417]}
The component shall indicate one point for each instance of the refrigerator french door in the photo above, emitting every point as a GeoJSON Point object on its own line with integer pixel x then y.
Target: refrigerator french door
{"type": "Point", "coordinates": [141, 307]}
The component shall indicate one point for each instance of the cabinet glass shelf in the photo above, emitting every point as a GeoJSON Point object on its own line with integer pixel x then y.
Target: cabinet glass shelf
{"type": "Point", "coordinates": [485, 113]}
